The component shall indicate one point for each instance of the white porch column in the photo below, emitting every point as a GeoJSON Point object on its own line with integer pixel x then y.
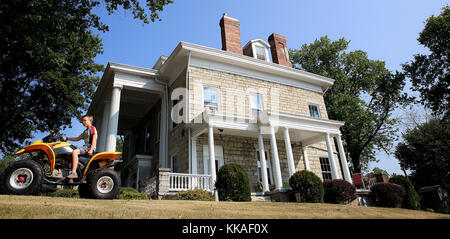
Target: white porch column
{"type": "Point", "coordinates": [290, 156]}
{"type": "Point", "coordinates": [194, 155]}
{"type": "Point", "coordinates": [334, 172]}
{"type": "Point", "coordinates": [113, 119]}
{"type": "Point", "coordinates": [305, 158]}
{"type": "Point", "coordinates": [262, 159]}
{"type": "Point", "coordinates": [104, 129]}
{"type": "Point", "coordinates": [212, 161]}
{"type": "Point", "coordinates": [163, 143]}
{"type": "Point", "coordinates": [276, 161]}
{"type": "Point", "coordinates": [344, 164]}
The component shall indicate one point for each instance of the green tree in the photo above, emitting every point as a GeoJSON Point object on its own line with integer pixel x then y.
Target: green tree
{"type": "Point", "coordinates": [47, 71]}
{"type": "Point", "coordinates": [378, 170]}
{"type": "Point", "coordinates": [429, 74]}
{"type": "Point", "coordinates": [363, 95]}
{"type": "Point", "coordinates": [425, 151]}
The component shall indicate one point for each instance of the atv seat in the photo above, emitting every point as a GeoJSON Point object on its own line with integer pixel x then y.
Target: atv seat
{"type": "Point", "coordinates": [84, 158]}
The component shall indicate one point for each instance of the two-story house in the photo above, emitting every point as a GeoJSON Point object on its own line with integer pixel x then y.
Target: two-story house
{"type": "Point", "coordinates": [236, 104]}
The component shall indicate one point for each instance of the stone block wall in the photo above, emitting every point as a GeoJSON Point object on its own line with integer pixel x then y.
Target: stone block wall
{"type": "Point", "coordinates": [235, 91]}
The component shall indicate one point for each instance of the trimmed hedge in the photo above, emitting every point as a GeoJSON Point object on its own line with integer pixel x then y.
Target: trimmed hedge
{"type": "Point", "coordinates": [308, 185]}
{"type": "Point", "coordinates": [387, 194]}
{"type": "Point", "coordinates": [195, 194]}
{"type": "Point", "coordinates": [411, 200]}
{"type": "Point", "coordinates": [339, 191]}
{"type": "Point", "coordinates": [232, 183]}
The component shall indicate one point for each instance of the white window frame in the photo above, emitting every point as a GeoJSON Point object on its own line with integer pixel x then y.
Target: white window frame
{"type": "Point", "coordinates": [218, 153]}
{"type": "Point", "coordinates": [250, 102]}
{"type": "Point", "coordinates": [318, 110]}
{"type": "Point", "coordinates": [325, 172]}
{"type": "Point", "coordinates": [219, 100]}
{"type": "Point", "coordinates": [266, 51]}
{"type": "Point", "coordinates": [268, 166]}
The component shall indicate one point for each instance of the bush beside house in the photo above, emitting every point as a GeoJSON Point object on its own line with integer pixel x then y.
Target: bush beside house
{"type": "Point", "coordinates": [307, 186]}
{"type": "Point", "coordinates": [232, 183]}
{"type": "Point", "coordinates": [339, 191]}
{"type": "Point", "coordinates": [387, 194]}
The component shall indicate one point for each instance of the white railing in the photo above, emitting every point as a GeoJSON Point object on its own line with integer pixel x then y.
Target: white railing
{"type": "Point", "coordinates": [184, 182]}
{"type": "Point", "coordinates": [372, 181]}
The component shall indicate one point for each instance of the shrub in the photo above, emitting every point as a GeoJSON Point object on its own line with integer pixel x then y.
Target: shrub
{"type": "Point", "coordinates": [131, 194]}
{"type": "Point", "coordinates": [411, 199]}
{"type": "Point", "coordinates": [232, 183]}
{"type": "Point", "coordinates": [387, 194]}
{"type": "Point", "coordinates": [338, 191]}
{"type": "Point", "coordinates": [66, 193]}
{"type": "Point", "coordinates": [308, 185]}
{"type": "Point", "coordinates": [195, 194]}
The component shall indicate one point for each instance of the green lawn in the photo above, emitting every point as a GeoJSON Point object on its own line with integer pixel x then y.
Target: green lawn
{"type": "Point", "coordinates": [54, 207]}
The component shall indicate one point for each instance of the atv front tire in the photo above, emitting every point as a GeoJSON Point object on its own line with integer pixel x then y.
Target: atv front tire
{"type": "Point", "coordinates": [103, 184]}
{"type": "Point", "coordinates": [23, 177]}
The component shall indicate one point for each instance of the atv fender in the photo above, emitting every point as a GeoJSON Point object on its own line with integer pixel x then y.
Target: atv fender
{"type": "Point", "coordinates": [40, 147]}
{"type": "Point", "coordinates": [102, 156]}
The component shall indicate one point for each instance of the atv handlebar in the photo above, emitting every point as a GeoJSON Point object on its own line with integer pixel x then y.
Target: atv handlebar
{"type": "Point", "coordinates": [54, 136]}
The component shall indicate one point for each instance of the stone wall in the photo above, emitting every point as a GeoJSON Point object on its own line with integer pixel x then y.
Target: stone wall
{"type": "Point", "coordinates": [235, 91]}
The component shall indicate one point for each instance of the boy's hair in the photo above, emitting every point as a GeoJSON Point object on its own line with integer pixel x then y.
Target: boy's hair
{"type": "Point", "coordinates": [90, 117]}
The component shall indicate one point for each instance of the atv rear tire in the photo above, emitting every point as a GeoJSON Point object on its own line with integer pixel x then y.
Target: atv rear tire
{"type": "Point", "coordinates": [23, 177]}
{"type": "Point", "coordinates": [103, 184]}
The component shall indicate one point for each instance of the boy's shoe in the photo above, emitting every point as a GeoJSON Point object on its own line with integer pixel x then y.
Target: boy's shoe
{"type": "Point", "coordinates": [72, 175]}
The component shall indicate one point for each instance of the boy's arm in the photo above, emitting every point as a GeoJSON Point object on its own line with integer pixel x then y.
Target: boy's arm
{"type": "Point", "coordinates": [72, 138]}
{"type": "Point", "coordinates": [94, 143]}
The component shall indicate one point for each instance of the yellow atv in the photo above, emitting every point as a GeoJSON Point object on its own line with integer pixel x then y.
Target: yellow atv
{"type": "Point", "coordinates": [50, 162]}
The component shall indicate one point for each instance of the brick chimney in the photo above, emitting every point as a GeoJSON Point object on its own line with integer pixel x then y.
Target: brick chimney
{"type": "Point", "coordinates": [279, 50]}
{"type": "Point", "coordinates": [231, 34]}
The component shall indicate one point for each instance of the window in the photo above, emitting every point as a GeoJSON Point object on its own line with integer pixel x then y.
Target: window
{"type": "Point", "coordinates": [174, 166]}
{"type": "Point", "coordinates": [256, 103]}
{"type": "Point", "coordinates": [260, 53]}
{"type": "Point", "coordinates": [326, 169]}
{"type": "Point", "coordinates": [314, 111]}
{"type": "Point", "coordinates": [211, 98]}
{"type": "Point", "coordinates": [174, 102]}
{"type": "Point", "coordinates": [269, 171]}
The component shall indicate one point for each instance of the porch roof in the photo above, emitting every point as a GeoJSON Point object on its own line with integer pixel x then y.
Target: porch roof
{"type": "Point", "coordinates": [303, 129]}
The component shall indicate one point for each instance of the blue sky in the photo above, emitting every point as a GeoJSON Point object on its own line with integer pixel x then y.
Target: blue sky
{"type": "Point", "coordinates": [386, 30]}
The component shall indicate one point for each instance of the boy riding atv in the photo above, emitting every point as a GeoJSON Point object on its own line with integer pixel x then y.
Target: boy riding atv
{"type": "Point", "coordinates": [50, 162]}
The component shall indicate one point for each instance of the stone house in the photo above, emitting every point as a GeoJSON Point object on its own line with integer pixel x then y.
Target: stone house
{"type": "Point", "coordinates": [233, 105]}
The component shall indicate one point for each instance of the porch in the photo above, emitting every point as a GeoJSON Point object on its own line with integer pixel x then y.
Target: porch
{"type": "Point", "coordinates": [276, 141]}
{"type": "Point", "coordinates": [131, 103]}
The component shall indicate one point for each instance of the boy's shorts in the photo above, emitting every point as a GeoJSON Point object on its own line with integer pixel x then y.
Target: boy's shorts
{"type": "Point", "coordinates": [84, 149]}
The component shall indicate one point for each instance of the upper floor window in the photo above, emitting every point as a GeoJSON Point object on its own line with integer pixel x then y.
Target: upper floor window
{"type": "Point", "coordinates": [258, 49]}
{"type": "Point", "coordinates": [260, 53]}
{"type": "Point", "coordinates": [211, 98]}
{"type": "Point", "coordinates": [314, 111]}
{"type": "Point", "coordinates": [256, 103]}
